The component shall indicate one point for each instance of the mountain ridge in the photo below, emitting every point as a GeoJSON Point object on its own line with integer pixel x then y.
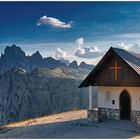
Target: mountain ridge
{"type": "Point", "coordinates": [14, 57]}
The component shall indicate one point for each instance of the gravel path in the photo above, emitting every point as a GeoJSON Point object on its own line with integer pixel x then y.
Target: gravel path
{"type": "Point", "coordinates": [70, 125]}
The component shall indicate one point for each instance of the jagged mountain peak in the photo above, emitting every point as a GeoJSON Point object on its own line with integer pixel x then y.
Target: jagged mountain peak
{"type": "Point", "coordinates": [73, 65]}
{"type": "Point", "coordinates": [82, 63]}
{"type": "Point", "coordinates": [37, 55]}
{"type": "Point", "coordinates": [85, 65]}
{"type": "Point", "coordinates": [14, 50]}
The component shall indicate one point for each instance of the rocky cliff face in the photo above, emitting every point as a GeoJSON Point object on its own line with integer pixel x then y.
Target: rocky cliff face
{"type": "Point", "coordinates": [13, 57]}
{"type": "Point", "coordinates": [32, 86]}
{"type": "Point", "coordinates": [25, 95]}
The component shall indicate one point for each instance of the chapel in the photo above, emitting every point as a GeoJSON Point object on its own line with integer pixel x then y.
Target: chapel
{"type": "Point", "coordinates": [115, 84]}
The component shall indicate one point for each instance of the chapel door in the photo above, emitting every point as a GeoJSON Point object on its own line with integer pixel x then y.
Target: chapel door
{"type": "Point", "coordinates": [124, 106]}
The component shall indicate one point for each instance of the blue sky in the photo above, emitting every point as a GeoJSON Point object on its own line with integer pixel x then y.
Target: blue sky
{"type": "Point", "coordinates": [70, 30]}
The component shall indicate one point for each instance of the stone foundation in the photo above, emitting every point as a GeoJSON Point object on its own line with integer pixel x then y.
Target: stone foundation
{"type": "Point", "coordinates": [135, 117]}
{"type": "Point", "coordinates": [107, 113]}
{"type": "Point", "coordinates": [94, 116]}
{"type": "Point", "coordinates": [101, 114]}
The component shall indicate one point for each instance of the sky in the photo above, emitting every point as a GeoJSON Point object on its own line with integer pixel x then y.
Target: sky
{"type": "Point", "coordinates": [81, 31]}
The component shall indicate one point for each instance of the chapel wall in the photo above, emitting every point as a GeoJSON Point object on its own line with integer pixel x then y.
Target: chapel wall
{"type": "Point", "coordinates": [106, 95]}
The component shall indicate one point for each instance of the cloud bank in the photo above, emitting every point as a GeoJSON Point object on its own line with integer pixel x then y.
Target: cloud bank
{"type": "Point", "coordinates": [128, 46]}
{"type": "Point", "coordinates": [54, 22]}
{"type": "Point", "coordinates": [86, 52]}
{"type": "Point", "coordinates": [79, 42]}
{"type": "Point", "coordinates": [60, 54]}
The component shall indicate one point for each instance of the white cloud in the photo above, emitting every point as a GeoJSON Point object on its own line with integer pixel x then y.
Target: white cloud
{"type": "Point", "coordinates": [86, 52]}
{"type": "Point", "coordinates": [60, 54]}
{"type": "Point", "coordinates": [54, 22]}
{"type": "Point", "coordinates": [128, 46]}
{"type": "Point", "coordinates": [79, 42]}
{"type": "Point", "coordinates": [124, 46]}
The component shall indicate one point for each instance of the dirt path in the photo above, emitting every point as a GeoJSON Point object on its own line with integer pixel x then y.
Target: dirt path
{"type": "Point", "coordinates": [72, 124]}
{"type": "Point", "coordinates": [61, 117]}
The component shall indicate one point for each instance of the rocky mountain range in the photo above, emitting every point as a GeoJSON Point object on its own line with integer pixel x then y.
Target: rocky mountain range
{"type": "Point", "coordinates": [25, 95]}
{"type": "Point", "coordinates": [14, 57]}
{"type": "Point", "coordinates": [33, 86]}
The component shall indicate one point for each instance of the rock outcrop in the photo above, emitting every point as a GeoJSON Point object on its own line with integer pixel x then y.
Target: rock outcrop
{"type": "Point", "coordinates": [32, 86]}
{"type": "Point", "coordinates": [26, 95]}
{"type": "Point", "coordinates": [74, 65]}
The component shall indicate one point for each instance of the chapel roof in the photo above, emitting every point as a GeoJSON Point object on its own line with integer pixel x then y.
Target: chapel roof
{"type": "Point", "coordinates": [131, 58]}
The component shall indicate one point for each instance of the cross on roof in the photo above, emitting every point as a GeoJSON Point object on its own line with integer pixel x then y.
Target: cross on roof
{"type": "Point", "coordinates": [116, 69]}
